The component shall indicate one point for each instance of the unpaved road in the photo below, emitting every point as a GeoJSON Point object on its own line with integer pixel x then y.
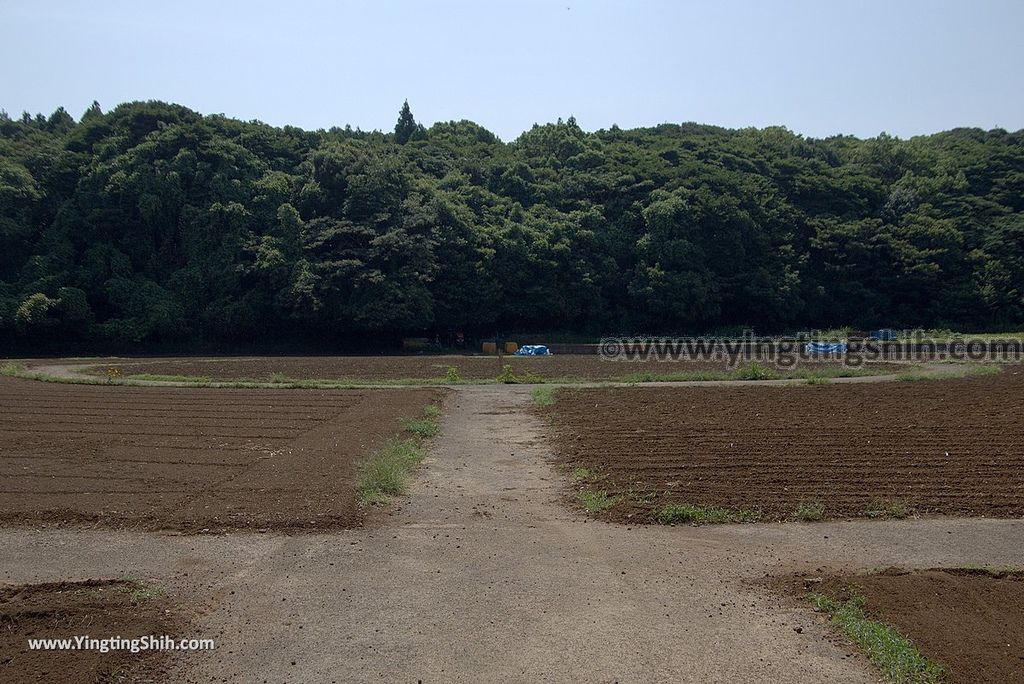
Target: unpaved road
{"type": "Point", "coordinates": [484, 575]}
{"type": "Point", "coordinates": [74, 370]}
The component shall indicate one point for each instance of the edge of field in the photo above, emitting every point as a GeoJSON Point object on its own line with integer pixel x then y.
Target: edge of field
{"type": "Point", "coordinates": [92, 374]}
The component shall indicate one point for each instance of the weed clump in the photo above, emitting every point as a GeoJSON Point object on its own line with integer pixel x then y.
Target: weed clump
{"type": "Point", "coordinates": [507, 375]}
{"type": "Point", "coordinates": [889, 650]}
{"type": "Point", "coordinates": [385, 473]}
{"type": "Point", "coordinates": [596, 501]}
{"type": "Point", "coordinates": [672, 514]}
{"type": "Point", "coordinates": [809, 511]}
{"type": "Point", "coordinates": [543, 395]}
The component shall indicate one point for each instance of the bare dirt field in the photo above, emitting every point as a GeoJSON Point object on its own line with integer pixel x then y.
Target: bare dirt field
{"type": "Point", "coordinates": [888, 449]}
{"type": "Point", "coordinates": [187, 459]}
{"type": "Point", "coordinates": [60, 610]}
{"type": "Point", "coordinates": [481, 574]}
{"type": "Point", "coordinates": [969, 621]}
{"type": "Point", "coordinates": [582, 367]}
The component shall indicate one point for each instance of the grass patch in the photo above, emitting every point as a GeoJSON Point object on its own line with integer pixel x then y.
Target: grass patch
{"type": "Point", "coordinates": [385, 473]}
{"type": "Point", "coordinates": [681, 376]}
{"type": "Point", "coordinates": [282, 382]}
{"type": "Point", "coordinates": [887, 508]}
{"type": "Point", "coordinates": [754, 372]}
{"type": "Point", "coordinates": [581, 474]}
{"type": "Point", "coordinates": [671, 514]}
{"type": "Point", "coordinates": [946, 335]}
{"type": "Point", "coordinates": [426, 426]}
{"type": "Point", "coordinates": [596, 501]}
{"type": "Point", "coordinates": [953, 373]}
{"type": "Point", "coordinates": [421, 427]}
{"type": "Point", "coordinates": [507, 375]}
{"type": "Point", "coordinates": [198, 379]}
{"type": "Point", "coordinates": [452, 377]}
{"type": "Point", "coordinates": [12, 368]}
{"type": "Point", "coordinates": [809, 511]}
{"type": "Point", "coordinates": [543, 395]}
{"type": "Point", "coordinates": [890, 651]}
{"type": "Point", "coordinates": [139, 591]}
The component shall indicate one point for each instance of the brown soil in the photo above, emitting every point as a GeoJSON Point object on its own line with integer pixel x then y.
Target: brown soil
{"type": "Point", "coordinates": [970, 621]}
{"type": "Point", "coordinates": [188, 459]}
{"type": "Point", "coordinates": [583, 367]}
{"type": "Point", "coordinates": [949, 446]}
{"type": "Point", "coordinates": [98, 609]}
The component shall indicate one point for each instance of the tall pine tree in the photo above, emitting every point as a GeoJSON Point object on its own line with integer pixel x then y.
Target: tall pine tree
{"type": "Point", "coordinates": [406, 127]}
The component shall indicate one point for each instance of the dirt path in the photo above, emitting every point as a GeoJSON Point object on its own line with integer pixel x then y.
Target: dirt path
{"type": "Point", "coordinates": [72, 370]}
{"type": "Point", "coordinates": [483, 575]}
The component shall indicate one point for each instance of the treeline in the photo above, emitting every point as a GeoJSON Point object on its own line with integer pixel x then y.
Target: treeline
{"type": "Point", "coordinates": [151, 226]}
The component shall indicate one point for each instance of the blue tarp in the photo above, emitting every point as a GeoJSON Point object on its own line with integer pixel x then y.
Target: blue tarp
{"type": "Point", "coordinates": [826, 348]}
{"type": "Point", "coordinates": [533, 350]}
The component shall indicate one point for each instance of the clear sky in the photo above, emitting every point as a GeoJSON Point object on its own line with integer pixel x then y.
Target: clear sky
{"type": "Point", "coordinates": [818, 67]}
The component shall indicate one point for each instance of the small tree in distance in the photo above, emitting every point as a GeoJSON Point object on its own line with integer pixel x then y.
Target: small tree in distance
{"type": "Point", "coordinates": [407, 129]}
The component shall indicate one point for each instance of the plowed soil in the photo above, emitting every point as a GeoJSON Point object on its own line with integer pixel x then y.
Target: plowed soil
{"type": "Point", "coordinates": [187, 459]}
{"type": "Point", "coordinates": [970, 621]}
{"type": "Point", "coordinates": [584, 367]}
{"type": "Point", "coordinates": [98, 609]}
{"type": "Point", "coordinates": [937, 447]}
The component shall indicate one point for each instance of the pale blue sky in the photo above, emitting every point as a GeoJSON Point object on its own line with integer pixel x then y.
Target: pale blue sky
{"type": "Point", "coordinates": [818, 67]}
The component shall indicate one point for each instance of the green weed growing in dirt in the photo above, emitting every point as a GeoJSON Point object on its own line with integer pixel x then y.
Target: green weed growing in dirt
{"type": "Point", "coordinates": [139, 591]}
{"type": "Point", "coordinates": [679, 376]}
{"type": "Point", "coordinates": [386, 472]}
{"type": "Point", "coordinates": [581, 474]}
{"type": "Point", "coordinates": [507, 375]}
{"type": "Point", "coordinates": [452, 376]}
{"type": "Point", "coordinates": [809, 511]}
{"type": "Point", "coordinates": [746, 515]}
{"type": "Point", "coordinates": [818, 380]}
{"type": "Point", "coordinates": [543, 395]}
{"type": "Point", "coordinates": [278, 378]}
{"type": "Point", "coordinates": [951, 374]}
{"type": "Point", "coordinates": [427, 426]}
{"type": "Point", "coordinates": [12, 368]}
{"type": "Point", "coordinates": [887, 508]}
{"type": "Point", "coordinates": [195, 379]}
{"type": "Point", "coordinates": [890, 651]}
{"type": "Point", "coordinates": [671, 514]}
{"type": "Point", "coordinates": [596, 501]}
{"type": "Point", "coordinates": [756, 371]}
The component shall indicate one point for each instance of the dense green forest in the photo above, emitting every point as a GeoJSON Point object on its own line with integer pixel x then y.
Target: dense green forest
{"type": "Point", "coordinates": [152, 226]}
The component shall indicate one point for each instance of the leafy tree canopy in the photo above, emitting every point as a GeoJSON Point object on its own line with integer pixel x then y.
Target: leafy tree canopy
{"type": "Point", "coordinates": [151, 225]}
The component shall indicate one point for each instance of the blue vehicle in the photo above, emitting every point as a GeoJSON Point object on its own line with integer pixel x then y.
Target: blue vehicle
{"type": "Point", "coordinates": [884, 335]}
{"type": "Point", "coordinates": [825, 348]}
{"type": "Point", "coordinates": [533, 350]}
